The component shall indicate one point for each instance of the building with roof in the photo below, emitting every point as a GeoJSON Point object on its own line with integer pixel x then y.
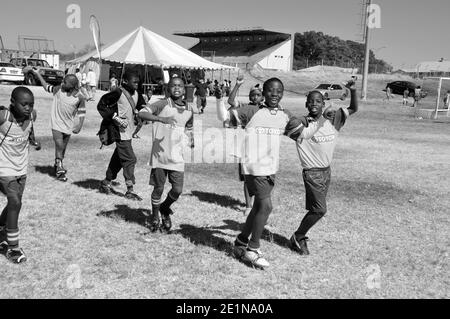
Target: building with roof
{"type": "Point", "coordinates": [440, 68]}
{"type": "Point", "coordinates": [245, 48]}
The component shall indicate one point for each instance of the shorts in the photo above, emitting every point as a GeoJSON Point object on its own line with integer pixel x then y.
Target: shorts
{"type": "Point", "coordinates": [317, 182]}
{"type": "Point", "coordinates": [13, 185]}
{"type": "Point", "coordinates": [158, 178]}
{"type": "Point", "coordinates": [260, 186]}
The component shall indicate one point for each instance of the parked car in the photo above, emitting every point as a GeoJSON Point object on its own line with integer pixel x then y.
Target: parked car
{"type": "Point", "coordinates": [331, 91]}
{"type": "Point", "coordinates": [398, 87]}
{"type": "Point", "coordinates": [10, 73]}
{"type": "Point", "coordinates": [49, 74]}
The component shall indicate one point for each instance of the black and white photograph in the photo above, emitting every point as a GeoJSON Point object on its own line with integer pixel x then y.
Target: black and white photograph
{"type": "Point", "coordinates": [233, 152]}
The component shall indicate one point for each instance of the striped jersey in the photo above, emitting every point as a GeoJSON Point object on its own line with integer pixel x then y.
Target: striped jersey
{"type": "Point", "coordinates": [169, 141]}
{"type": "Point", "coordinates": [15, 147]}
{"type": "Point", "coordinates": [317, 151]}
{"type": "Point", "coordinates": [64, 109]}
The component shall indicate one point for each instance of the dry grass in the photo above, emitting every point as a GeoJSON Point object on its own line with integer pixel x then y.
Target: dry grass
{"type": "Point", "coordinates": [388, 208]}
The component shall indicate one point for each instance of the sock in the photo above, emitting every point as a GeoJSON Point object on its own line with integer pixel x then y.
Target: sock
{"type": "Point", "coordinates": [243, 239]}
{"type": "Point", "coordinates": [12, 238]}
{"type": "Point", "coordinates": [155, 211]}
{"type": "Point", "coordinates": [308, 221]}
{"type": "Point", "coordinates": [168, 202]}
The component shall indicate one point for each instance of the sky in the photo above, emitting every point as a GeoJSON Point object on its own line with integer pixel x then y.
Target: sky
{"type": "Point", "coordinates": [411, 31]}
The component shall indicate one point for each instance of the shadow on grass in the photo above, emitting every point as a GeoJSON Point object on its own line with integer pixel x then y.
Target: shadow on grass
{"type": "Point", "coordinates": [206, 237]}
{"type": "Point", "coordinates": [130, 215]}
{"type": "Point", "coordinates": [221, 200]}
{"type": "Point", "coordinates": [46, 170]}
{"type": "Point", "coordinates": [94, 184]}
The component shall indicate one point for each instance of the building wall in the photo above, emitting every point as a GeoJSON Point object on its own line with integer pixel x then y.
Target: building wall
{"type": "Point", "coordinates": [280, 59]}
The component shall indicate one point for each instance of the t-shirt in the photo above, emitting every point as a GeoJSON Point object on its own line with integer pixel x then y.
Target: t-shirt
{"type": "Point", "coordinates": [91, 78]}
{"type": "Point", "coordinates": [264, 127]}
{"type": "Point", "coordinates": [317, 152]}
{"type": "Point", "coordinates": [14, 149]}
{"type": "Point", "coordinates": [64, 109]}
{"type": "Point", "coordinates": [170, 141]}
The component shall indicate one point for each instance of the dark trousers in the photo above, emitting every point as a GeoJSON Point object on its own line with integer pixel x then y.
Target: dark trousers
{"type": "Point", "coordinates": [122, 158]}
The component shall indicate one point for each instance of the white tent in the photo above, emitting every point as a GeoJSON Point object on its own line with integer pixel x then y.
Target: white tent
{"type": "Point", "coordinates": [145, 47]}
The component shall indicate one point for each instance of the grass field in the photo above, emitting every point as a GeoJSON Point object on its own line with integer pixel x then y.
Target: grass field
{"type": "Point", "coordinates": [386, 234]}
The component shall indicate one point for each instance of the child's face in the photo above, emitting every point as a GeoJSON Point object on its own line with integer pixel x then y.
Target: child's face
{"type": "Point", "coordinates": [315, 103]}
{"type": "Point", "coordinates": [255, 97]}
{"type": "Point", "coordinates": [273, 93]}
{"type": "Point", "coordinates": [132, 82]}
{"type": "Point", "coordinates": [176, 88]}
{"type": "Point", "coordinates": [22, 105]}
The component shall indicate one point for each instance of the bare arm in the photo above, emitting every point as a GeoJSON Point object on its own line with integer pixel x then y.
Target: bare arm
{"type": "Point", "coordinates": [232, 98]}
{"type": "Point", "coordinates": [44, 84]}
{"type": "Point", "coordinates": [81, 116]}
{"type": "Point", "coordinates": [353, 108]}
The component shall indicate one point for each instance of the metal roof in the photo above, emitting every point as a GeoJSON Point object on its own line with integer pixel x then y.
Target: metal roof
{"type": "Point", "coordinates": [229, 32]}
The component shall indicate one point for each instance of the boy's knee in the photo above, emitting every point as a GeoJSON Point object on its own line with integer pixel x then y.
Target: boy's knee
{"type": "Point", "coordinates": [15, 201]}
{"type": "Point", "coordinates": [176, 192]}
{"type": "Point", "coordinates": [157, 193]}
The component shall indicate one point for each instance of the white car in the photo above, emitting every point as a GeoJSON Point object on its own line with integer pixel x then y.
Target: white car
{"type": "Point", "coordinates": [10, 73]}
{"type": "Point", "coordinates": [331, 91]}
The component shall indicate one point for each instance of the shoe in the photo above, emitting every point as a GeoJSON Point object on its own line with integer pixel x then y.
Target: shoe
{"type": "Point", "coordinates": [105, 188]}
{"type": "Point", "coordinates": [239, 248]}
{"type": "Point", "coordinates": [132, 196]}
{"type": "Point", "coordinates": [153, 225]}
{"type": "Point", "coordinates": [299, 246]}
{"type": "Point", "coordinates": [255, 258]}
{"type": "Point", "coordinates": [166, 224]}
{"type": "Point", "coordinates": [59, 169]}
{"type": "Point", "coordinates": [16, 256]}
{"type": "Point", "coordinates": [61, 177]}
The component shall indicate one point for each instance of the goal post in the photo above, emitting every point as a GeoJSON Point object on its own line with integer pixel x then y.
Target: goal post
{"type": "Point", "coordinates": [437, 100]}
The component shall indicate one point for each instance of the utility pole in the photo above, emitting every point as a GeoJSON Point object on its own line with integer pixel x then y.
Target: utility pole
{"type": "Point", "coordinates": [367, 50]}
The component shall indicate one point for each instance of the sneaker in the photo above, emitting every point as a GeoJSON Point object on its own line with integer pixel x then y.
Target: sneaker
{"type": "Point", "coordinates": [255, 258]}
{"type": "Point", "coordinates": [132, 196]}
{"type": "Point", "coordinates": [105, 188]}
{"type": "Point", "coordinates": [299, 246]}
{"type": "Point", "coordinates": [166, 224]}
{"type": "Point", "coordinates": [61, 177]}
{"type": "Point", "coordinates": [16, 256]}
{"type": "Point", "coordinates": [153, 225]}
{"type": "Point", "coordinates": [59, 169]}
{"type": "Point", "coordinates": [239, 248]}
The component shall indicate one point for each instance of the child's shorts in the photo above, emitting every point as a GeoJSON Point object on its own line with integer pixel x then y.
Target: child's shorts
{"type": "Point", "coordinates": [13, 185]}
{"type": "Point", "coordinates": [317, 182]}
{"type": "Point", "coordinates": [158, 178]}
{"type": "Point", "coordinates": [260, 186]}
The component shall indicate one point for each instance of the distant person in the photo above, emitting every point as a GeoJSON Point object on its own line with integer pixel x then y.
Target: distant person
{"type": "Point", "coordinates": [405, 96]}
{"type": "Point", "coordinates": [200, 93]}
{"type": "Point", "coordinates": [91, 82]}
{"type": "Point", "coordinates": [16, 123]}
{"type": "Point", "coordinates": [446, 100]}
{"type": "Point", "coordinates": [389, 94]}
{"type": "Point", "coordinates": [84, 88]}
{"type": "Point", "coordinates": [113, 82]}
{"type": "Point", "coordinates": [68, 103]}
{"type": "Point", "coordinates": [417, 92]}
{"type": "Point", "coordinates": [119, 110]}
{"type": "Point", "coordinates": [81, 87]}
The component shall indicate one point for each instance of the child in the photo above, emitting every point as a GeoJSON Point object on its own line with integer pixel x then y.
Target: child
{"type": "Point", "coordinates": [315, 156]}
{"type": "Point", "coordinates": [119, 110]}
{"type": "Point", "coordinates": [15, 128]}
{"type": "Point", "coordinates": [256, 98]}
{"type": "Point", "coordinates": [417, 92]}
{"type": "Point", "coordinates": [113, 82]}
{"type": "Point", "coordinates": [68, 102]}
{"type": "Point", "coordinates": [264, 126]}
{"type": "Point", "coordinates": [405, 96]}
{"type": "Point", "coordinates": [447, 100]}
{"type": "Point", "coordinates": [173, 119]}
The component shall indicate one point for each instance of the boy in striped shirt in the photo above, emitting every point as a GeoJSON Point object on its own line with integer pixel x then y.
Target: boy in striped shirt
{"type": "Point", "coordinates": [16, 124]}
{"type": "Point", "coordinates": [172, 129]}
{"type": "Point", "coordinates": [68, 102]}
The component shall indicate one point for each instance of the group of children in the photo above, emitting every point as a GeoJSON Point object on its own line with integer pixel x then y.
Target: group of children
{"type": "Point", "coordinates": [123, 109]}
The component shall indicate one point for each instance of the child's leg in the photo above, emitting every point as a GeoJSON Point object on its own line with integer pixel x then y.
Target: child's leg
{"type": "Point", "coordinates": [61, 141]}
{"type": "Point", "coordinates": [157, 180]}
{"type": "Point", "coordinates": [176, 179]}
{"type": "Point", "coordinates": [248, 199]}
{"type": "Point", "coordinates": [13, 188]}
{"type": "Point", "coordinates": [66, 138]}
{"type": "Point", "coordinates": [128, 161]}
